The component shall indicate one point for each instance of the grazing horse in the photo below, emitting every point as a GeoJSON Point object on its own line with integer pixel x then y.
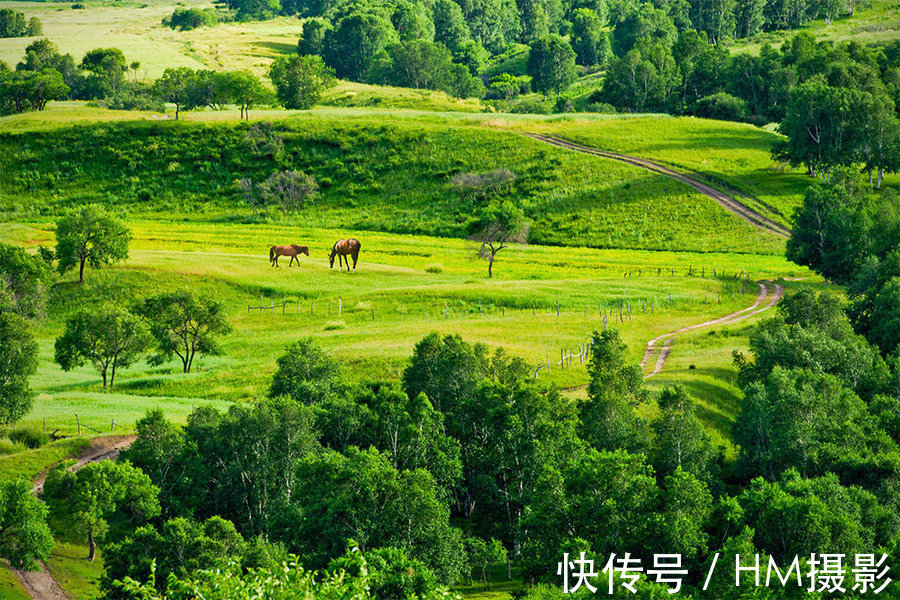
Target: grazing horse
{"type": "Point", "coordinates": [293, 251]}
{"type": "Point", "coordinates": [343, 248]}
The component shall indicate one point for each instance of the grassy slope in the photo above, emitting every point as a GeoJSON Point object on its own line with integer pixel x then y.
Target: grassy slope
{"type": "Point", "coordinates": [374, 176]}
{"type": "Point", "coordinates": [733, 156]}
{"type": "Point", "coordinates": [879, 22]}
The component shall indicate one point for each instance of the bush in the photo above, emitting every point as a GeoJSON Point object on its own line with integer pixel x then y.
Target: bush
{"type": "Point", "coordinates": [434, 268]}
{"type": "Point", "coordinates": [722, 106]}
{"type": "Point", "coordinates": [186, 19]}
{"type": "Point", "coordinates": [29, 438]}
{"type": "Point", "coordinates": [335, 325]}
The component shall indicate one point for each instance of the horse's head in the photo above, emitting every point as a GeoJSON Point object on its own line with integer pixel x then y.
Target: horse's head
{"type": "Point", "coordinates": [305, 250]}
{"type": "Point", "coordinates": [331, 257]}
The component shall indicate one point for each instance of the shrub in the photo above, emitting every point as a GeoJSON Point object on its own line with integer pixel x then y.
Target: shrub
{"type": "Point", "coordinates": [335, 325]}
{"type": "Point", "coordinates": [29, 438]}
{"type": "Point", "coordinates": [722, 106]}
{"type": "Point", "coordinates": [186, 19]}
{"type": "Point", "coordinates": [434, 268]}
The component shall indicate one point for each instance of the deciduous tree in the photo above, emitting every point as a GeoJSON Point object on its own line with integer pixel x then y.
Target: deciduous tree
{"type": "Point", "coordinates": [184, 325]}
{"type": "Point", "coordinates": [90, 235]}
{"type": "Point", "coordinates": [18, 362]}
{"type": "Point", "coordinates": [82, 501]}
{"type": "Point", "coordinates": [109, 338]}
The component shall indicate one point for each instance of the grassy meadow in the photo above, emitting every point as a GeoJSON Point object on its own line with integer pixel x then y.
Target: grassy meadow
{"type": "Point", "coordinates": [405, 288]}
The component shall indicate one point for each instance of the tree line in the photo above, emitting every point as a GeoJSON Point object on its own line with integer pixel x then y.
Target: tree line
{"type": "Point", "coordinates": [14, 24]}
{"type": "Point", "coordinates": [102, 77]}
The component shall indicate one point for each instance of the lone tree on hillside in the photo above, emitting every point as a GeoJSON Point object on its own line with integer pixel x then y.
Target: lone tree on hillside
{"type": "Point", "coordinates": [83, 500]}
{"type": "Point", "coordinates": [90, 235]}
{"type": "Point", "coordinates": [18, 361]}
{"type": "Point", "coordinates": [184, 325]}
{"type": "Point", "coordinates": [110, 339]}
{"type": "Point", "coordinates": [291, 189]}
{"type": "Point", "coordinates": [498, 226]}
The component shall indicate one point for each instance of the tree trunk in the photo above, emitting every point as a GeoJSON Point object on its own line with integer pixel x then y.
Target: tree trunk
{"type": "Point", "coordinates": [92, 546]}
{"type": "Point", "coordinates": [81, 270]}
{"type": "Point", "coordinates": [103, 372]}
{"type": "Point", "coordinates": [491, 266]}
{"type": "Point", "coordinates": [880, 176]}
{"type": "Point", "coordinates": [112, 378]}
{"type": "Point", "coordinates": [176, 111]}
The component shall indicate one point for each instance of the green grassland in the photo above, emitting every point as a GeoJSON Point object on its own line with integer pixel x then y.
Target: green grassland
{"type": "Point", "coordinates": [370, 320]}
{"type": "Point", "coordinates": [373, 176]}
{"type": "Point", "coordinates": [732, 156]}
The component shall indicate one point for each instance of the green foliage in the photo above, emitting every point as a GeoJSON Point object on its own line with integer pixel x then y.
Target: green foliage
{"type": "Point", "coordinates": [425, 65]}
{"type": "Point", "coordinates": [392, 574]}
{"type": "Point", "coordinates": [551, 65]}
{"type": "Point", "coordinates": [305, 373]}
{"type": "Point", "coordinates": [407, 430]}
{"type": "Point", "coordinates": [24, 282]}
{"type": "Point", "coordinates": [184, 325]}
{"type": "Point", "coordinates": [18, 362]}
{"type": "Point", "coordinates": [333, 503]}
{"type": "Point", "coordinates": [175, 86]}
{"type": "Point", "coordinates": [109, 339]}
{"type": "Point", "coordinates": [186, 19]}
{"type": "Point", "coordinates": [25, 537]}
{"type": "Point", "coordinates": [483, 555]}
{"type": "Point", "coordinates": [13, 24]}
{"type": "Point", "coordinates": [496, 226]}
{"type": "Point", "coordinates": [30, 438]}
{"type": "Point", "coordinates": [179, 547]}
{"type": "Point", "coordinates": [356, 579]}
{"type": "Point", "coordinates": [589, 40]}
{"type": "Point", "coordinates": [22, 91]}
{"type": "Point", "coordinates": [679, 439]}
{"type": "Point", "coordinates": [90, 235]}
{"type": "Point", "coordinates": [353, 45]}
{"type": "Point", "coordinates": [82, 501]}
{"type": "Point", "coordinates": [796, 516]}
{"type": "Point", "coordinates": [106, 68]}
{"type": "Point", "coordinates": [615, 389]}
{"type": "Point", "coordinates": [300, 80]}
{"type": "Point", "coordinates": [313, 39]}
{"type": "Point", "coordinates": [721, 106]}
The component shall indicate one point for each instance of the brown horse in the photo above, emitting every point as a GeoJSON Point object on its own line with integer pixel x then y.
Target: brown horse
{"type": "Point", "coordinates": [293, 251]}
{"type": "Point", "coordinates": [343, 248]}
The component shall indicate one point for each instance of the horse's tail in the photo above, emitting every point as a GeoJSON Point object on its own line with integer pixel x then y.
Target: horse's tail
{"type": "Point", "coordinates": [272, 253]}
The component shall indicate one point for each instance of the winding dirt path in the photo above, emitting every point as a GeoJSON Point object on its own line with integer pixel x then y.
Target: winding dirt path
{"type": "Point", "coordinates": [776, 291]}
{"type": "Point", "coordinates": [727, 202]}
{"type": "Point", "coordinates": [41, 585]}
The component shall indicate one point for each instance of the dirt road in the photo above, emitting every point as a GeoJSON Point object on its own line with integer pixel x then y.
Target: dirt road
{"type": "Point", "coordinates": [41, 585]}
{"type": "Point", "coordinates": [766, 290]}
{"type": "Point", "coordinates": [728, 202]}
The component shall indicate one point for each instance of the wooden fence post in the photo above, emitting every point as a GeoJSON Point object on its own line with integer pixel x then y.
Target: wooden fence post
{"type": "Point", "coordinates": [340, 306]}
{"type": "Point", "coordinates": [78, 422]}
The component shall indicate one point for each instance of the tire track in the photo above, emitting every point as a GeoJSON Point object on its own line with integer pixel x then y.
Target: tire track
{"type": "Point", "coordinates": [668, 339]}
{"type": "Point", "coordinates": [729, 203]}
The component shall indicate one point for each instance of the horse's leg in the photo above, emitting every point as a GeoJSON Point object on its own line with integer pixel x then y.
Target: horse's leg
{"type": "Point", "coordinates": [355, 256]}
{"type": "Point", "coordinates": [291, 264]}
